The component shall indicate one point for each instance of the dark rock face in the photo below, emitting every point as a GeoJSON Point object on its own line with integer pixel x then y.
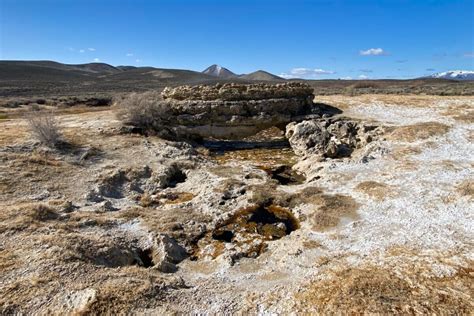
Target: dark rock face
{"type": "Point", "coordinates": [234, 111]}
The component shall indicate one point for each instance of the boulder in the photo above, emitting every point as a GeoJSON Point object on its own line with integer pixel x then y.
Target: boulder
{"type": "Point", "coordinates": [307, 137]}
{"type": "Point", "coordinates": [166, 253]}
{"type": "Point", "coordinates": [334, 137]}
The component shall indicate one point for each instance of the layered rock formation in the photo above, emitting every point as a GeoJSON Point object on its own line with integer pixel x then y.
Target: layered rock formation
{"type": "Point", "coordinates": [239, 92]}
{"type": "Point", "coordinates": [232, 111]}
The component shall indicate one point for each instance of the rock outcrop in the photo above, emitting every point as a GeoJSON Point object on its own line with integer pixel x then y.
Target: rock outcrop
{"type": "Point", "coordinates": [230, 111]}
{"type": "Point", "coordinates": [330, 137]}
{"type": "Point", "coordinates": [239, 92]}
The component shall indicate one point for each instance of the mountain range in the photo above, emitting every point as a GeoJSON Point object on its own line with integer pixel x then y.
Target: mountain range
{"type": "Point", "coordinates": [222, 72]}
{"type": "Point", "coordinates": [26, 70]}
{"type": "Point", "coordinates": [41, 78]}
{"type": "Point", "coordinates": [18, 70]}
{"type": "Point", "coordinates": [53, 78]}
{"type": "Point", "coordinates": [454, 75]}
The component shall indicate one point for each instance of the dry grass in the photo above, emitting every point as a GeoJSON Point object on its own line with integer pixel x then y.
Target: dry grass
{"type": "Point", "coordinates": [372, 289]}
{"type": "Point", "coordinates": [31, 173]}
{"type": "Point", "coordinates": [11, 133]}
{"type": "Point", "coordinates": [125, 293]}
{"type": "Point", "coordinates": [466, 188]}
{"type": "Point", "coordinates": [26, 216]}
{"type": "Point", "coordinates": [263, 156]}
{"type": "Point", "coordinates": [376, 190]}
{"type": "Point", "coordinates": [170, 221]}
{"type": "Point", "coordinates": [178, 197]}
{"type": "Point", "coordinates": [467, 117]}
{"type": "Point", "coordinates": [312, 244]}
{"type": "Point", "coordinates": [146, 200]}
{"type": "Point", "coordinates": [449, 165]}
{"type": "Point", "coordinates": [332, 208]}
{"type": "Point", "coordinates": [401, 153]}
{"type": "Point", "coordinates": [419, 131]}
{"type": "Point", "coordinates": [43, 159]}
{"type": "Point", "coordinates": [461, 113]}
{"type": "Point", "coordinates": [7, 259]}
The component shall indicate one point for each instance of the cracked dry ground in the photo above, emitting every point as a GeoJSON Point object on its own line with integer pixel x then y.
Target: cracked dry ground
{"type": "Point", "coordinates": [122, 223]}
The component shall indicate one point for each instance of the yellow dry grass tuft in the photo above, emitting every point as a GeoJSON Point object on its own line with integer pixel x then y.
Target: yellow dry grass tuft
{"type": "Point", "coordinates": [373, 289]}
{"type": "Point", "coordinates": [419, 131]}
{"type": "Point", "coordinates": [466, 188]}
{"type": "Point", "coordinates": [376, 190]}
{"type": "Point", "coordinates": [178, 197]}
{"type": "Point", "coordinates": [261, 156]}
{"type": "Point", "coordinates": [25, 216]}
{"type": "Point", "coordinates": [461, 113]}
{"type": "Point", "coordinates": [332, 208]}
{"type": "Point", "coordinates": [401, 153]}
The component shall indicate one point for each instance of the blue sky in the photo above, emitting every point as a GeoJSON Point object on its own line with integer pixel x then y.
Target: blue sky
{"type": "Point", "coordinates": [312, 39]}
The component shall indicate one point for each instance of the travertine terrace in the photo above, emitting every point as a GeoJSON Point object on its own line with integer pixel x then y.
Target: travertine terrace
{"type": "Point", "coordinates": [371, 212]}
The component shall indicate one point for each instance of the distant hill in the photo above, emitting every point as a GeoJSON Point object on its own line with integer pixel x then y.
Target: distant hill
{"type": "Point", "coordinates": [43, 78]}
{"type": "Point", "coordinates": [126, 67]}
{"type": "Point", "coordinates": [219, 71]}
{"type": "Point", "coordinates": [261, 75]}
{"type": "Point", "coordinates": [46, 64]}
{"type": "Point", "coordinates": [101, 68]}
{"type": "Point", "coordinates": [454, 75]}
{"type": "Point", "coordinates": [52, 79]}
{"type": "Point", "coordinates": [163, 75]}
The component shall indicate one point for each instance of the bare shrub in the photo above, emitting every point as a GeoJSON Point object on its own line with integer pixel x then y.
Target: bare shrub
{"type": "Point", "coordinates": [45, 128]}
{"type": "Point", "coordinates": [145, 111]}
{"type": "Point", "coordinates": [366, 85]}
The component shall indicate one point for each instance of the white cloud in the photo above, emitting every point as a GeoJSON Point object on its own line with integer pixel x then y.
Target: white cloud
{"type": "Point", "coordinates": [81, 51]}
{"type": "Point", "coordinates": [373, 52]}
{"type": "Point", "coordinates": [305, 73]}
{"type": "Point", "coordinates": [346, 78]}
{"type": "Point", "coordinates": [137, 60]}
{"type": "Point", "coordinates": [363, 77]}
{"type": "Point", "coordinates": [91, 49]}
{"type": "Point", "coordinates": [129, 55]}
{"type": "Point", "coordinates": [70, 49]}
{"type": "Point", "coordinates": [96, 60]}
{"type": "Point", "coordinates": [286, 76]}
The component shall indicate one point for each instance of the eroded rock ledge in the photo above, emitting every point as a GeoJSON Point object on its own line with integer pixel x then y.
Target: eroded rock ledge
{"type": "Point", "coordinates": [229, 111]}
{"type": "Point", "coordinates": [239, 92]}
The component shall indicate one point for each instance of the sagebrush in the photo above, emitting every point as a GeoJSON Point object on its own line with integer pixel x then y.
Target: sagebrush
{"type": "Point", "coordinates": [45, 128]}
{"type": "Point", "coordinates": [143, 110]}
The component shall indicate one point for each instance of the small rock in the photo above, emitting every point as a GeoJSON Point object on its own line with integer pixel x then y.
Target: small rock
{"type": "Point", "coordinates": [94, 196]}
{"type": "Point", "coordinates": [41, 196]}
{"type": "Point", "coordinates": [105, 206]}
{"type": "Point", "coordinates": [88, 153]}
{"type": "Point", "coordinates": [167, 253]}
{"type": "Point", "coordinates": [68, 207]}
{"type": "Point", "coordinates": [78, 302]}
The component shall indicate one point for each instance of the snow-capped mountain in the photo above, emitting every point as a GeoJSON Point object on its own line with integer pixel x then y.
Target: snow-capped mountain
{"type": "Point", "coordinates": [219, 71]}
{"type": "Point", "coordinates": [455, 75]}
